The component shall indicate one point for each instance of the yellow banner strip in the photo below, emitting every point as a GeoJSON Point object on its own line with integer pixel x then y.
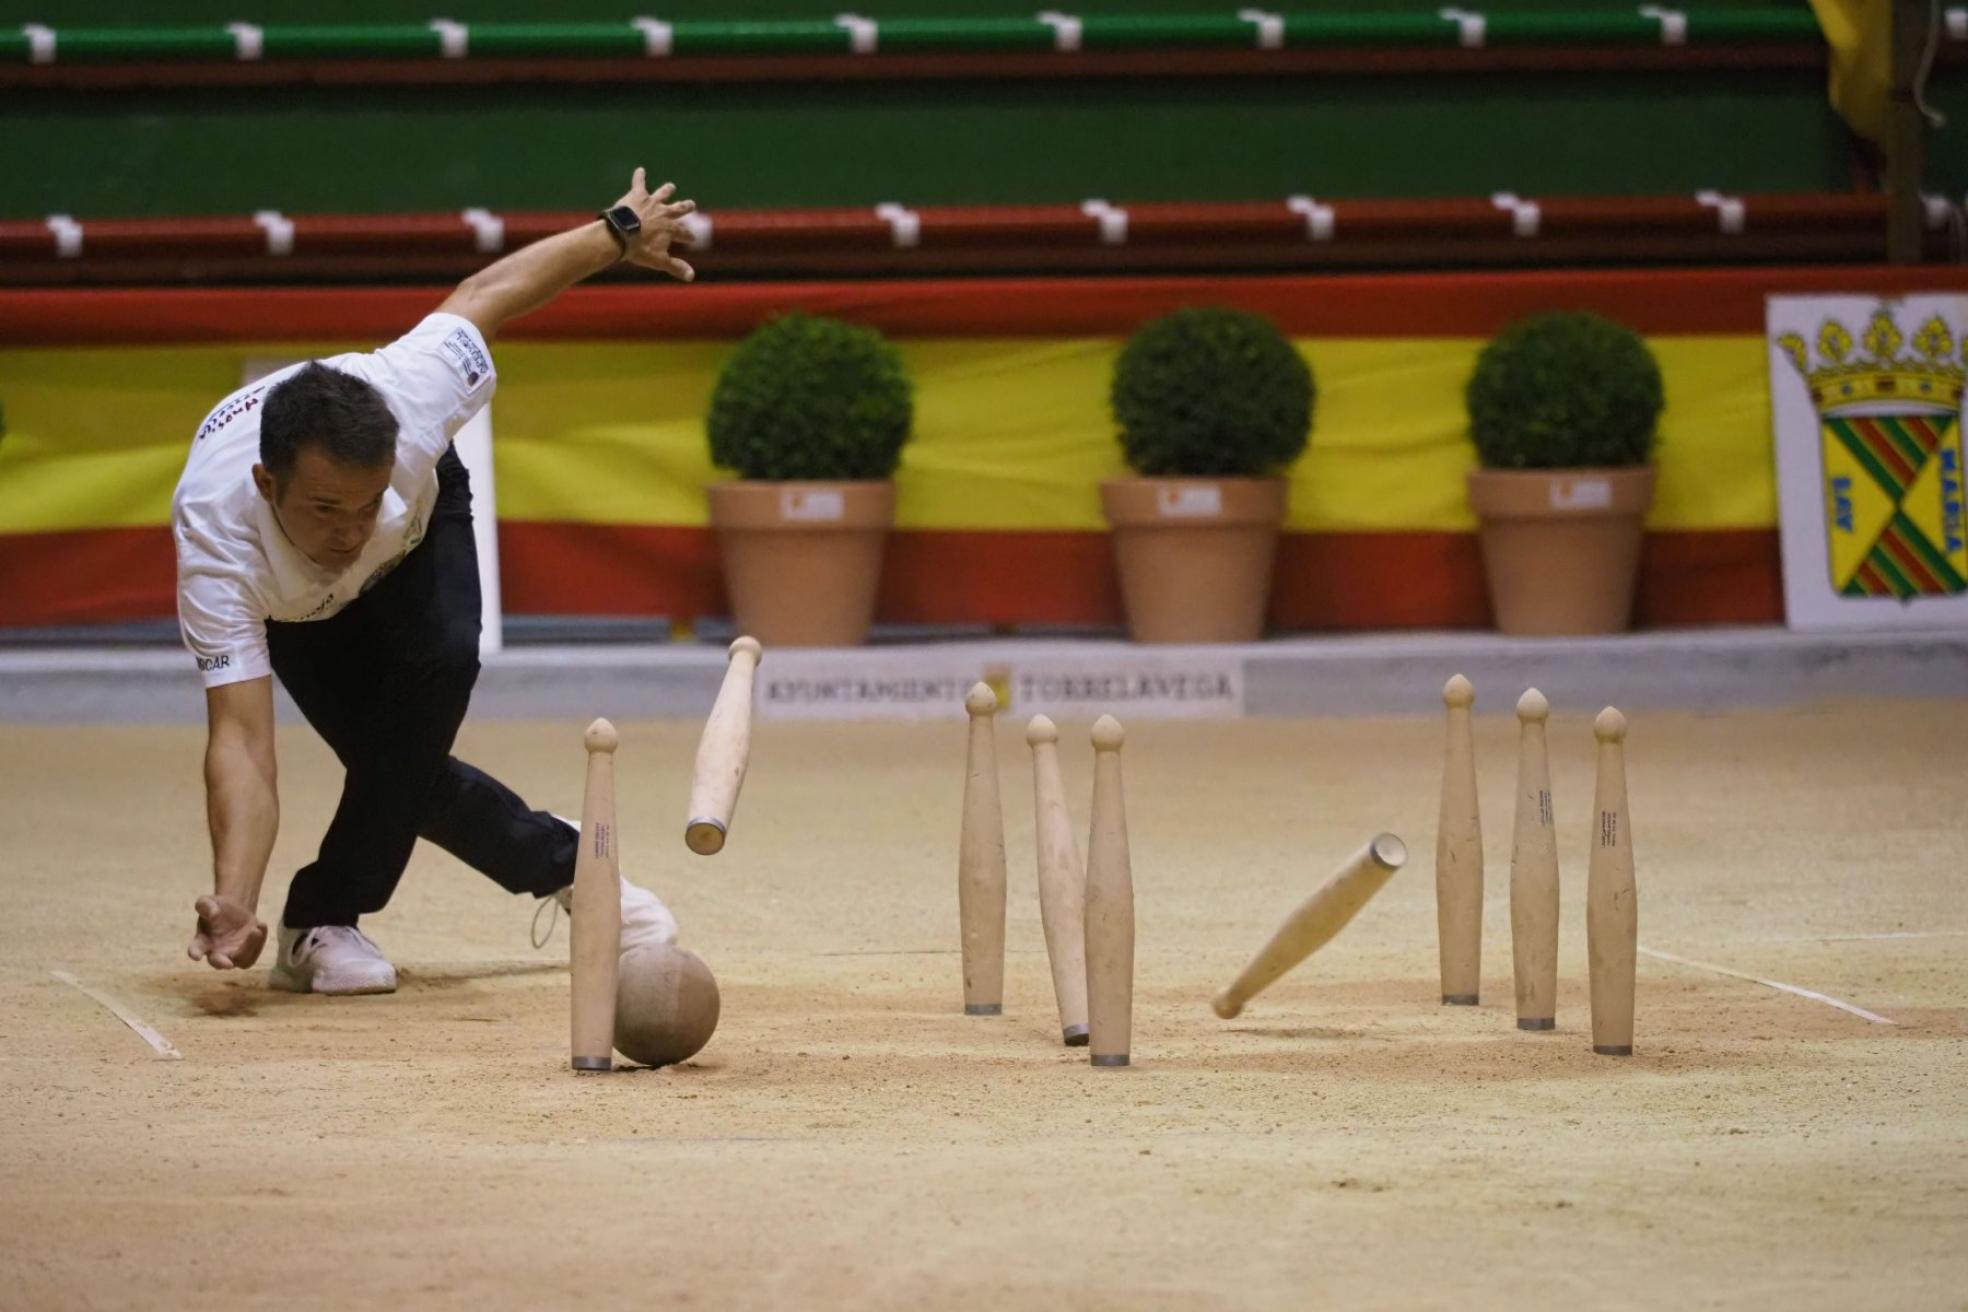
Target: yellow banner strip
{"type": "Point", "coordinates": [1010, 434]}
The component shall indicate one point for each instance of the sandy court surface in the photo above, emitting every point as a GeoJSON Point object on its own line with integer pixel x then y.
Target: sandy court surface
{"type": "Point", "coordinates": [850, 1139]}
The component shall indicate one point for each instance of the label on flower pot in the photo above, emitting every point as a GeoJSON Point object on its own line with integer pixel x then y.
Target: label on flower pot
{"type": "Point", "coordinates": [1191, 501]}
{"type": "Point", "coordinates": [812, 505]}
{"type": "Point", "coordinates": [1581, 494]}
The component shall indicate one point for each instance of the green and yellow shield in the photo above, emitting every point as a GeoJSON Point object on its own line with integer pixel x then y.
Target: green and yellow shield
{"type": "Point", "coordinates": [1890, 423]}
{"type": "Point", "coordinates": [1893, 504]}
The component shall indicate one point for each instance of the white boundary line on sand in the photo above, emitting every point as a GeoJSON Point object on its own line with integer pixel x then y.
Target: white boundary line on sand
{"type": "Point", "coordinates": [1779, 985]}
{"type": "Point", "coordinates": [162, 1045]}
{"type": "Point", "coordinates": [1873, 938]}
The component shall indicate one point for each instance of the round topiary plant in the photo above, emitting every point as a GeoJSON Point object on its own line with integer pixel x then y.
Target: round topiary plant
{"type": "Point", "coordinates": [1211, 392]}
{"type": "Point", "coordinates": [810, 398]}
{"type": "Point", "coordinates": [1565, 391]}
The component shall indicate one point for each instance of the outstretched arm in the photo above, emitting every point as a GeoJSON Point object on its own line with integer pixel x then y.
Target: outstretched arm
{"type": "Point", "coordinates": [530, 277]}
{"type": "Point", "coordinates": [243, 806]}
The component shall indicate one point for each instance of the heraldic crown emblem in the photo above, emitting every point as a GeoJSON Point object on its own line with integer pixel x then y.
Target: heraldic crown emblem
{"type": "Point", "coordinates": [1930, 375]}
{"type": "Point", "coordinates": [1892, 458]}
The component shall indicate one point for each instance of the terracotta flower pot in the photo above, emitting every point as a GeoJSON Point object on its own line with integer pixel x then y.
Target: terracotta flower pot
{"type": "Point", "coordinates": [1195, 554]}
{"type": "Point", "coordinates": [1561, 546]}
{"type": "Point", "coordinates": [802, 561]}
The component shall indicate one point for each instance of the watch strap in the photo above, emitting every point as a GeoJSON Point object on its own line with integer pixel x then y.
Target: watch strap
{"type": "Point", "coordinates": [607, 218]}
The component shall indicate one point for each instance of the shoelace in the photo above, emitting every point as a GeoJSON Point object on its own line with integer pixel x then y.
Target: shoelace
{"type": "Point", "coordinates": [550, 908]}
{"type": "Point", "coordinates": [550, 904]}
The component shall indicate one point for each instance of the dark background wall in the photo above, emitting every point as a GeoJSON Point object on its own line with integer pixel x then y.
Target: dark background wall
{"type": "Point", "coordinates": [353, 149]}
{"type": "Point", "coordinates": [307, 150]}
{"type": "Point", "coordinates": [147, 12]}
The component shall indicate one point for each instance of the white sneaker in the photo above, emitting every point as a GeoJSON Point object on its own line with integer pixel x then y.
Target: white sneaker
{"type": "Point", "coordinates": [336, 959]}
{"type": "Point", "coordinates": [644, 917]}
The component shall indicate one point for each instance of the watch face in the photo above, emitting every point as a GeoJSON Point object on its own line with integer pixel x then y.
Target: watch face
{"type": "Point", "coordinates": [625, 219]}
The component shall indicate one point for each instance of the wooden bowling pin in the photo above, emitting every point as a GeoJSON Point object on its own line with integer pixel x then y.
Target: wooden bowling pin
{"type": "Point", "coordinates": [1314, 922]}
{"type": "Point", "coordinates": [1062, 882]}
{"type": "Point", "coordinates": [1612, 916]}
{"type": "Point", "coordinates": [595, 931]}
{"type": "Point", "coordinates": [1534, 874]}
{"type": "Point", "coordinates": [981, 863]}
{"type": "Point", "coordinates": [722, 753]}
{"type": "Point", "coordinates": [1459, 856]}
{"type": "Point", "coordinates": [1109, 905]}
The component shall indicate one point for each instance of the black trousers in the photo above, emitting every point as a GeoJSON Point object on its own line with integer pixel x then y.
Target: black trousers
{"type": "Point", "coordinates": [386, 683]}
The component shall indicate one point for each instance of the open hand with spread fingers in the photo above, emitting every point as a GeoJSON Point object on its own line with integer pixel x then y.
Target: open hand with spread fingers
{"type": "Point", "coordinates": [660, 225]}
{"type": "Point", "coordinates": [229, 935]}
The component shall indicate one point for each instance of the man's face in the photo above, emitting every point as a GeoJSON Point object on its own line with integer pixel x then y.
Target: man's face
{"type": "Point", "coordinates": [327, 509]}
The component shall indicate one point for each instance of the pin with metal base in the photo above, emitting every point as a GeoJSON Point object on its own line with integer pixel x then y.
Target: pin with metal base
{"type": "Point", "coordinates": [596, 928]}
{"type": "Point", "coordinates": [1534, 874]}
{"type": "Point", "coordinates": [1612, 916]}
{"type": "Point", "coordinates": [1459, 856]}
{"type": "Point", "coordinates": [1062, 883]}
{"type": "Point", "coordinates": [1315, 921]}
{"type": "Point", "coordinates": [1109, 906]}
{"type": "Point", "coordinates": [981, 862]}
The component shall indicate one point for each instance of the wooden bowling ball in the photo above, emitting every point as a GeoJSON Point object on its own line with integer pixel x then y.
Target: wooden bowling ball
{"type": "Point", "coordinates": [666, 1004]}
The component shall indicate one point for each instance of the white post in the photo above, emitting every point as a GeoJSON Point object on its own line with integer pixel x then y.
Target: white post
{"type": "Point", "coordinates": [473, 444]}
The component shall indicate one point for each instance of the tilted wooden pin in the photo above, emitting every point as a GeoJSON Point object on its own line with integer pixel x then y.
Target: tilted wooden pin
{"type": "Point", "coordinates": [1316, 920]}
{"type": "Point", "coordinates": [1062, 882]}
{"type": "Point", "coordinates": [722, 754]}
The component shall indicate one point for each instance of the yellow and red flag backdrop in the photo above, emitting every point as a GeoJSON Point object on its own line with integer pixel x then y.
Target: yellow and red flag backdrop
{"type": "Point", "coordinates": [601, 458]}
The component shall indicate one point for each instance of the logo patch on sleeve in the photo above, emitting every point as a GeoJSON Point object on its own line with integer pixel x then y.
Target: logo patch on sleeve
{"type": "Point", "coordinates": [466, 357]}
{"type": "Point", "coordinates": [228, 411]}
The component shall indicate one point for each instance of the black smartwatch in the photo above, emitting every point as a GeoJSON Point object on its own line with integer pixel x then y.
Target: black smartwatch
{"type": "Point", "coordinates": [623, 225]}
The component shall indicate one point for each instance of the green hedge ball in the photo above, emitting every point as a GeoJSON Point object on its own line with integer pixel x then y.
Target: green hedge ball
{"type": "Point", "coordinates": [808, 398]}
{"type": "Point", "coordinates": [666, 1004]}
{"type": "Point", "coordinates": [1567, 390]}
{"type": "Point", "coordinates": [1211, 392]}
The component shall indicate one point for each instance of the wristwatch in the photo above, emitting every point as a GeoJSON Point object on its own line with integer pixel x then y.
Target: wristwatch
{"type": "Point", "coordinates": [623, 225]}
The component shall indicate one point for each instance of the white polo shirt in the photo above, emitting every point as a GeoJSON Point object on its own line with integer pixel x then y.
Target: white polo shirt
{"type": "Point", "coordinates": [236, 568]}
